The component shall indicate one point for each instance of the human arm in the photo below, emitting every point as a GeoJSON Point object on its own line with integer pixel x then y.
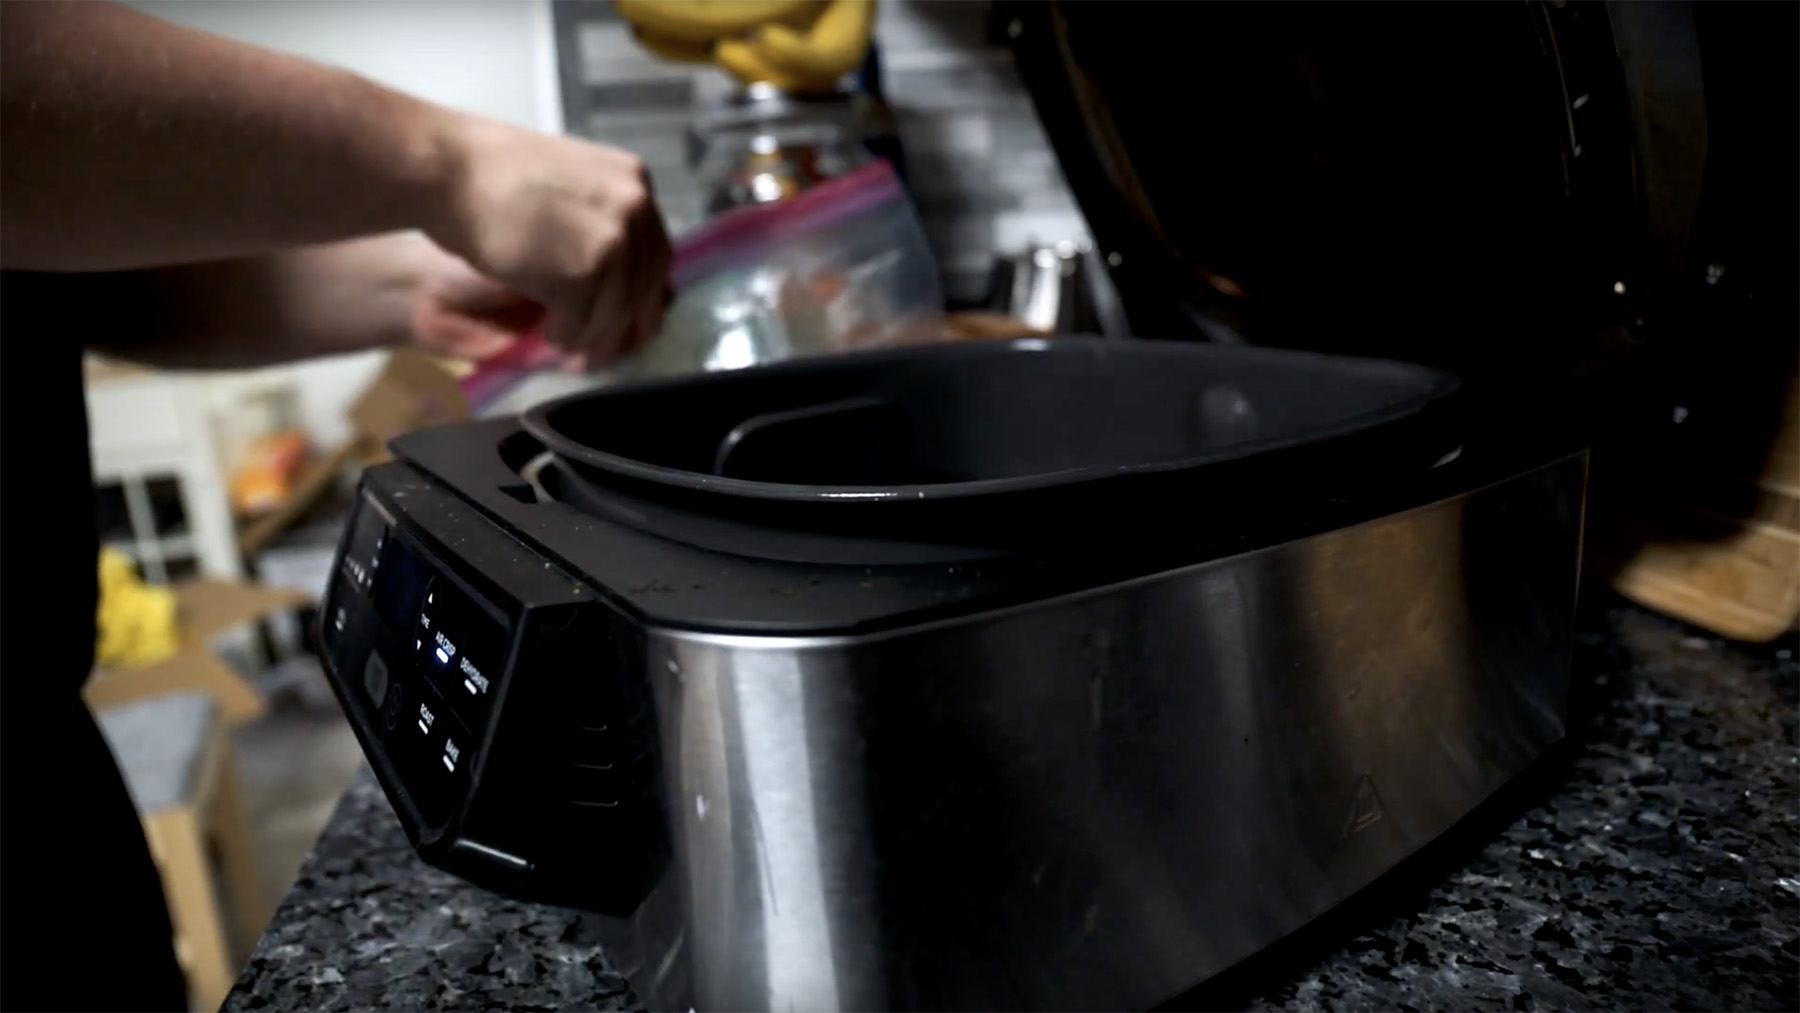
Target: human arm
{"type": "Point", "coordinates": [127, 144]}
{"type": "Point", "coordinates": [131, 142]}
{"type": "Point", "coordinates": [296, 304]}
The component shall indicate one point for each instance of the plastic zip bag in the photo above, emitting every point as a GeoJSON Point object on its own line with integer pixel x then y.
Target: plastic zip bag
{"type": "Point", "coordinates": [841, 266]}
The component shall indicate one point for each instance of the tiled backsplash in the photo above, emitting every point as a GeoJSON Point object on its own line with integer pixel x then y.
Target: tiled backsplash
{"type": "Point", "coordinates": [981, 171]}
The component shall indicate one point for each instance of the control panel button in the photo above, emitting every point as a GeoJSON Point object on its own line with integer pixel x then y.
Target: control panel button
{"type": "Point", "coordinates": [461, 648]}
{"type": "Point", "coordinates": [473, 679]}
{"type": "Point", "coordinates": [432, 750]}
{"type": "Point", "coordinates": [344, 632]}
{"type": "Point", "coordinates": [334, 617]}
{"type": "Point", "coordinates": [395, 705]}
{"type": "Point", "coordinates": [451, 755]}
{"type": "Point", "coordinates": [375, 678]}
{"type": "Point", "coordinates": [361, 557]}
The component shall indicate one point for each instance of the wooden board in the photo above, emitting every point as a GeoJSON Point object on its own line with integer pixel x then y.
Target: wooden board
{"type": "Point", "coordinates": [1739, 579]}
{"type": "Point", "coordinates": [1718, 550]}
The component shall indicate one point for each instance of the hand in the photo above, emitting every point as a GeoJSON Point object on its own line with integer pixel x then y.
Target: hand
{"type": "Point", "coordinates": [459, 312]}
{"type": "Point", "coordinates": [466, 315]}
{"type": "Point", "coordinates": [564, 223]}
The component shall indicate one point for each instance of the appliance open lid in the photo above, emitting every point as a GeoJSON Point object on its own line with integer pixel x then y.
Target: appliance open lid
{"type": "Point", "coordinates": [1466, 186]}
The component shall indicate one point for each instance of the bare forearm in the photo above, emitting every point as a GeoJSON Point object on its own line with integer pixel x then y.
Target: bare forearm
{"type": "Point", "coordinates": [129, 142]}
{"type": "Point", "coordinates": [128, 145]}
{"type": "Point", "coordinates": [301, 303]}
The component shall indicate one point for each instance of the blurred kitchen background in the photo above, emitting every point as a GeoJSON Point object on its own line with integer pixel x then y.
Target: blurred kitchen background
{"type": "Point", "coordinates": [230, 489]}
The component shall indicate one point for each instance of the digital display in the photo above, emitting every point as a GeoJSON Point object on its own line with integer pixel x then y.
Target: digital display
{"type": "Point", "coordinates": [400, 581]}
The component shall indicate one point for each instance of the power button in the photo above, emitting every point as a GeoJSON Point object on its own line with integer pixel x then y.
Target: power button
{"type": "Point", "coordinates": [375, 678]}
{"type": "Point", "coordinates": [390, 712]}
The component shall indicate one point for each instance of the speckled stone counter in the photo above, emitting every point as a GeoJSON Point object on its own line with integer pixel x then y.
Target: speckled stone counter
{"type": "Point", "coordinates": [369, 926]}
{"type": "Point", "coordinates": [1661, 872]}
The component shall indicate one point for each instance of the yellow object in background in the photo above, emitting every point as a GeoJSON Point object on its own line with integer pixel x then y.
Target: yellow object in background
{"type": "Point", "coordinates": [799, 46]}
{"type": "Point", "coordinates": [673, 50]}
{"type": "Point", "coordinates": [711, 20]}
{"type": "Point", "coordinates": [835, 46]}
{"type": "Point", "coordinates": [135, 622]}
{"type": "Point", "coordinates": [748, 66]}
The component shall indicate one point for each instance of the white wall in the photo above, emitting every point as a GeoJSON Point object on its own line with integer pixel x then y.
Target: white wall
{"type": "Point", "coordinates": [494, 57]}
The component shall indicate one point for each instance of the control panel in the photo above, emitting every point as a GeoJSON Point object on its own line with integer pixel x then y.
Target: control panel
{"type": "Point", "coordinates": [402, 631]}
{"type": "Point", "coordinates": [498, 699]}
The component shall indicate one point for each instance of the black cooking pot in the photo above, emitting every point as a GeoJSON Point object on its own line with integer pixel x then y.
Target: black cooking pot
{"type": "Point", "coordinates": [1000, 442]}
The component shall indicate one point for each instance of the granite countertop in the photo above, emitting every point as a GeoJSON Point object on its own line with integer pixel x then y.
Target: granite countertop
{"type": "Point", "coordinates": [1663, 872]}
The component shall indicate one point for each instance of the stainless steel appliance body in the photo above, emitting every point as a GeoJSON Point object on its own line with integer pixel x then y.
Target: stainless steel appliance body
{"type": "Point", "coordinates": [1099, 800]}
{"type": "Point", "coordinates": [1032, 675]}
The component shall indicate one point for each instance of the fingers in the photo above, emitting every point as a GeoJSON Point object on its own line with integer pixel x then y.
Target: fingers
{"type": "Point", "coordinates": [628, 282]}
{"type": "Point", "coordinates": [567, 317]}
{"type": "Point", "coordinates": [653, 293]}
{"type": "Point", "coordinates": [645, 266]}
{"type": "Point", "coordinates": [458, 335]}
{"type": "Point", "coordinates": [609, 320]}
{"type": "Point", "coordinates": [636, 275]}
{"type": "Point", "coordinates": [473, 341]}
{"type": "Point", "coordinates": [490, 304]}
{"type": "Point", "coordinates": [575, 226]}
{"type": "Point", "coordinates": [653, 255]}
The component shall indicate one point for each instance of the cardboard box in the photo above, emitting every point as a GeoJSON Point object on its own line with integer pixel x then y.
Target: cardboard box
{"type": "Point", "coordinates": [412, 391]}
{"type": "Point", "coordinates": [204, 608]}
